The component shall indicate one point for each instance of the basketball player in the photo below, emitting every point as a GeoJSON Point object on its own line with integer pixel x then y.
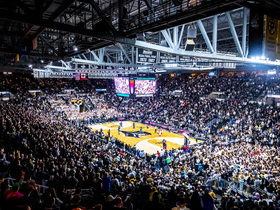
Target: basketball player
{"type": "Point", "coordinates": [119, 130]}
{"type": "Point", "coordinates": [159, 132]}
{"type": "Point", "coordinates": [164, 144]}
{"type": "Point", "coordinates": [186, 139]}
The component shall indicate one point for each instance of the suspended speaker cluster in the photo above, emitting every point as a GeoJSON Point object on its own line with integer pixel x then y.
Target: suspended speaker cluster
{"type": "Point", "coordinates": [191, 36]}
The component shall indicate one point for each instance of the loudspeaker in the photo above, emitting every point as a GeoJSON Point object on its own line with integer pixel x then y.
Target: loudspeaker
{"type": "Point", "coordinates": [191, 33]}
{"type": "Point", "coordinates": [189, 46]}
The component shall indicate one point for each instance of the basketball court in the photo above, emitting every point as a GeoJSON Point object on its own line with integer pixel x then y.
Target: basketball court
{"type": "Point", "coordinates": [147, 140]}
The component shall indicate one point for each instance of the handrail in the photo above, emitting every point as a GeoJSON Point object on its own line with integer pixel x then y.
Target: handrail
{"type": "Point", "coordinates": [250, 189]}
{"type": "Point", "coordinates": [10, 181]}
{"type": "Point", "coordinates": [42, 188]}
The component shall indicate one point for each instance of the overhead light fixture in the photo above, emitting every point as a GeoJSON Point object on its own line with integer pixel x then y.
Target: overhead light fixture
{"type": "Point", "coordinates": [58, 67]}
{"type": "Point", "coordinates": [30, 66]}
{"type": "Point", "coordinates": [42, 61]}
{"type": "Point", "coordinates": [75, 48]}
{"type": "Point", "coordinates": [44, 70]}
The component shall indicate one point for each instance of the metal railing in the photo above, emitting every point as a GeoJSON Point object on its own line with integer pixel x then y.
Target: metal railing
{"type": "Point", "coordinates": [43, 188]}
{"type": "Point", "coordinates": [220, 184]}
{"type": "Point", "coordinates": [245, 190]}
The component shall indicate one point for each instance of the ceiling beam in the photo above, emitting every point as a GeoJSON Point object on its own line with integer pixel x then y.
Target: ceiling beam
{"type": "Point", "coordinates": [50, 46]}
{"type": "Point", "coordinates": [53, 17]}
{"type": "Point", "coordinates": [61, 9]}
{"type": "Point", "coordinates": [101, 14]}
{"type": "Point", "coordinates": [149, 3]}
{"type": "Point", "coordinates": [39, 7]}
{"type": "Point", "coordinates": [182, 52]}
{"type": "Point", "coordinates": [187, 15]}
{"type": "Point", "coordinates": [47, 5]}
{"type": "Point", "coordinates": [24, 7]}
{"type": "Point", "coordinates": [62, 27]}
{"type": "Point", "coordinates": [234, 34]}
{"type": "Point", "coordinates": [11, 51]}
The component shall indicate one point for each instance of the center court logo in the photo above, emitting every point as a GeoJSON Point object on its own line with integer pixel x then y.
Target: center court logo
{"type": "Point", "coordinates": [135, 134]}
{"type": "Point", "coordinates": [113, 126]}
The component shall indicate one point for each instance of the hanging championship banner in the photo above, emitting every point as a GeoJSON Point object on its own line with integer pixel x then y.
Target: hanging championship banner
{"type": "Point", "coordinates": [184, 59]}
{"type": "Point", "coordinates": [256, 24]}
{"type": "Point", "coordinates": [58, 75]}
{"type": "Point", "coordinates": [278, 41]}
{"type": "Point", "coordinates": [167, 58]}
{"type": "Point", "coordinates": [146, 56]}
{"type": "Point", "coordinates": [271, 26]}
{"type": "Point", "coordinates": [41, 74]}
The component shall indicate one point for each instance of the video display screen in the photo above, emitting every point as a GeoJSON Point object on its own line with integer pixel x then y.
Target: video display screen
{"type": "Point", "coordinates": [122, 85]}
{"type": "Point", "coordinates": [145, 87]}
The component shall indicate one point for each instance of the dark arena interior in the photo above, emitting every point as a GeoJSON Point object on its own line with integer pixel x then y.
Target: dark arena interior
{"type": "Point", "coordinates": [139, 104]}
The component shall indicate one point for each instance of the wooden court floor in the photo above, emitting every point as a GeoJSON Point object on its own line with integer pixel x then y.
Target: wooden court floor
{"type": "Point", "coordinates": [148, 140]}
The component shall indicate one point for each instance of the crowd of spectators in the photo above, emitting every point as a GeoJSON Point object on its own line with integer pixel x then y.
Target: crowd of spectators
{"type": "Point", "coordinates": [236, 110]}
{"type": "Point", "coordinates": [53, 160]}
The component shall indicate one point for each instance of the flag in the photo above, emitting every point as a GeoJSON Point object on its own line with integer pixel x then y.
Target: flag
{"type": "Point", "coordinates": [36, 74]}
{"type": "Point", "coordinates": [83, 76]}
{"type": "Point", "coordinates": [77, 76]}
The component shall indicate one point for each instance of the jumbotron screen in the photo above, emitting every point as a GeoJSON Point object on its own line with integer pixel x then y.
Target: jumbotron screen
{"type": "Point", "coordinates": [122, 85]}
{"type": "Point", "coordinates": [145, 87]}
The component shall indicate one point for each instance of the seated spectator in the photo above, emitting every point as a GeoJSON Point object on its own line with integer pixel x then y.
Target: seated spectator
{"type": "Point", "coordinates": [181, 205]}
{"type": "Point", "coordinates": [14, 195]}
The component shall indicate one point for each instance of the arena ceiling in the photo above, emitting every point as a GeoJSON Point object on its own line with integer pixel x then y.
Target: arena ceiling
{"type": "Point", "coordinates": [40, 31]}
